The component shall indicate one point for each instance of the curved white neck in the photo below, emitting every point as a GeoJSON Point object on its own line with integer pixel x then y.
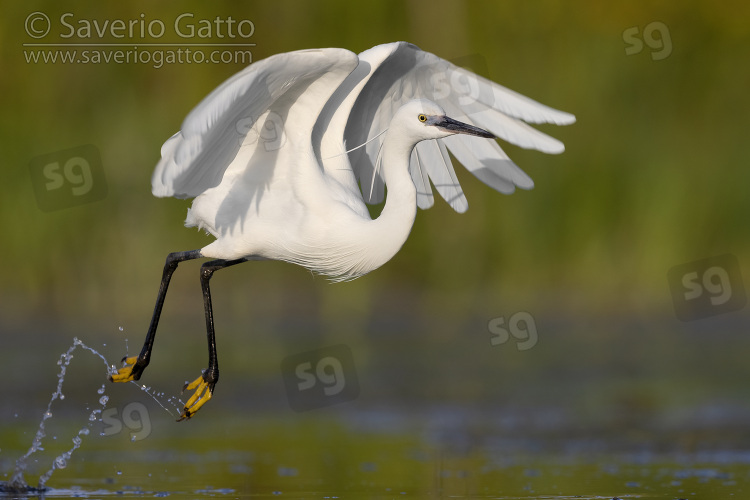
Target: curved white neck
{"type": "Point", "coordinates": [378, 240]}
{"type": "Point", "coordinates": [392, 227]}
{"type": "Point", "coordinates": [367, 244]}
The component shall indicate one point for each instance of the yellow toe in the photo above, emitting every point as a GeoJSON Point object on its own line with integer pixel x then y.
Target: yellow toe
{"type": "Point", "coordinates": [202, 394]}
{"type": "Point", "coordinates": [124, 374]}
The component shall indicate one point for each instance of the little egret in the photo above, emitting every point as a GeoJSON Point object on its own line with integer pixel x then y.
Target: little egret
{"type": "Point", "coordinates": [283, 157]}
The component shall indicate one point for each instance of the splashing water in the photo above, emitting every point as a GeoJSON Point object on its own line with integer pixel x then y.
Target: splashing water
{"type": "Point", "coordinates": [17, 482]}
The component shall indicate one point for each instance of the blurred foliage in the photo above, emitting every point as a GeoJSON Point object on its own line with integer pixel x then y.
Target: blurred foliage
{"type": "Point", "coordinates": [655, 174]}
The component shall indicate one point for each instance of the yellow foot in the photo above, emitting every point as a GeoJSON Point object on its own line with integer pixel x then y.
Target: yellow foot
{"type": "Point", "coordinates": [203, 393]}
{"type": "Point", "coordinates": [126, 374]}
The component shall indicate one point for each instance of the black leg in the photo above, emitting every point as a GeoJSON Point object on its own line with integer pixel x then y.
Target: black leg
{"type": "Point", "coordinates": [139, 363]}
{"type": "Point", "coordinates": [210, 376]}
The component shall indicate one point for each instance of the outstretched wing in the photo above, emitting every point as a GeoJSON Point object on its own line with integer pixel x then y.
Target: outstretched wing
{"type": "Point", "coordinates": [396, 73]}
{"type": "Point", "coordinates": [196, 157]}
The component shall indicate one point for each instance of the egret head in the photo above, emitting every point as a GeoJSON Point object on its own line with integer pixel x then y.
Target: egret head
{"type": "Point", "coordinates": [426, 120]}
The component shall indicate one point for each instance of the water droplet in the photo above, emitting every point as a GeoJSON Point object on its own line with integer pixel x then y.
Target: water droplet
{"type": "Point", "coordinates": [119, 473]}
{"type": "Point", "coordinates": [47, 414]}
{"type": "Point", "coordinates": [120, 328]}
{"type": "Point", "coordinates": [62, 396]}
{"type": "Point", "coordinates": [103, 400]}
{"type": "Point", "coordinates": [132, 438]}
{"type": "Point", "coordinates": [84, 431]}
{"type": "Point", "coordinates": [61, 463]}
{"type": "Point", "coordinates": [101, 390]}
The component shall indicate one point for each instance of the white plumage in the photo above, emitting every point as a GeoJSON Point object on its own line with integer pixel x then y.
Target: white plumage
{"type": "Point", "coordinates": [265, 154]}
{"type": "Point", "coordinates": [283, 157]}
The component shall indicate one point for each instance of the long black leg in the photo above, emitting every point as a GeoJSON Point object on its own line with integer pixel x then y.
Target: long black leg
{"type": "Point", "coordinates": [211, 375]}
{"type": "Point", "coordinates": [139, 364]}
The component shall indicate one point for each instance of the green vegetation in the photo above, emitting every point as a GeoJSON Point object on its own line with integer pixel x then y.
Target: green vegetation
{"type": "Point", "coordinates": [655, 175]}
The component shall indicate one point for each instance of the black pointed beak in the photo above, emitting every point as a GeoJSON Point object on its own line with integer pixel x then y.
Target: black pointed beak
{"type": "Point", "coordinates": [450, 125]}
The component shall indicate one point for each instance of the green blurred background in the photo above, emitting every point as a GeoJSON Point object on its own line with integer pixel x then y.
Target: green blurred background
{"type": "Point", "coordinates": [655, 175]}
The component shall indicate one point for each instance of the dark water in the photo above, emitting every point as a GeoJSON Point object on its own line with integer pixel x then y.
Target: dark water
{"type": "Point", "coordinates": [568, 441]}
{"type": "Point", "coordinates": [441, 453]}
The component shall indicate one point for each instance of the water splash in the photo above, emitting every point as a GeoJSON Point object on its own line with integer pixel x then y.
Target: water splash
{"type": "Point", "coordinates": [18, 484]}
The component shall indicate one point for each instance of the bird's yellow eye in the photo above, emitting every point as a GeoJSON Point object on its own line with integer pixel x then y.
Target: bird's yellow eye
{"type": "Point", "coordinates": [422, 118]}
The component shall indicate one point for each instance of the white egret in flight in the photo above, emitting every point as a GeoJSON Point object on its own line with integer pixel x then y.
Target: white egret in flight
{"type": "Point", "coordinates": [283, 157]}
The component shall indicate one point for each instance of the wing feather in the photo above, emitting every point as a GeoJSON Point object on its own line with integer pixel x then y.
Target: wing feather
{"type": "Point", "coordinates": [399, 72]}
{"type": "Point", "coordinates": [366, 91]}
{"type": "Point", "coordinates": [196, 158]}
{"type": "Point", "coordinates": [420, 159]}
